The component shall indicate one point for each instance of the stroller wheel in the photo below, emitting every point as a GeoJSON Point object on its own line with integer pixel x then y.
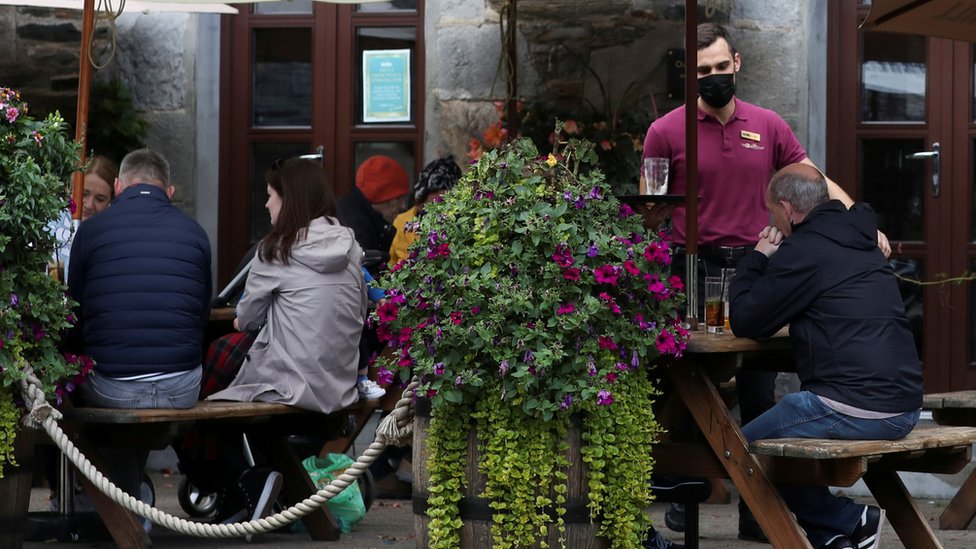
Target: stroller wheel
{"type": "Point", "coordinates": [367, 487]}
{"type": "Point", "coordinates": [196, 503]}
{"type": "Point", "coordinates": [147, 492]}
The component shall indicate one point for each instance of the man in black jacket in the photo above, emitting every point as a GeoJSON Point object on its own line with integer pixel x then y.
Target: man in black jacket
{"type": "Point", "coordinates": [140, 272]}
{"type": "Point", "coordinates": [820, 271]}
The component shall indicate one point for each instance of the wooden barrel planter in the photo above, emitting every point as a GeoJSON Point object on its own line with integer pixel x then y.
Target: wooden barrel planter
{"type": "Point", "coordinates": [15, 488]}
{"type": "Point", "coordinates": [475, 512]}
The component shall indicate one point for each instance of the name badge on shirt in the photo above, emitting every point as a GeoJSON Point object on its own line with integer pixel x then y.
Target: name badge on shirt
{"type": "Point", "coordinates": [751, 136]}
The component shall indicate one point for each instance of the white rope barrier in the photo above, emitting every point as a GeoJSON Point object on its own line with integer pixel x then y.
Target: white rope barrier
{"type": "Point", "coordinates": [396, 428]}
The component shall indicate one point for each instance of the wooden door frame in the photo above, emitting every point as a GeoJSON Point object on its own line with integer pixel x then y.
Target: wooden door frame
{"type": "Point", "coordinates": [336, 130]}
{"type": "Point", "coordinates": [944, 360]}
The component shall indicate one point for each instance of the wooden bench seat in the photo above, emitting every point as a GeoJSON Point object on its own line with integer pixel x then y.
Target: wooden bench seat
{"type": "Point", "coordinates": [944, 450]}
{"type": "Point", "coordinates": [842, 462]}
{"type": "Point", "coordinates": [267, 425]}
{"type": "Point", "coordinates": [956, 408]}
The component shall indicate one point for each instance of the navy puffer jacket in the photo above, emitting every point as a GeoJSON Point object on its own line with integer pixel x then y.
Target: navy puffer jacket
{"type": "Point", "coordinates": [140, 271]}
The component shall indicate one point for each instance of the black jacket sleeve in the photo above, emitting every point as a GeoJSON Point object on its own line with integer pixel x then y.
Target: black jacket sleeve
{"type": "Point", "coordinates": [767, 293]}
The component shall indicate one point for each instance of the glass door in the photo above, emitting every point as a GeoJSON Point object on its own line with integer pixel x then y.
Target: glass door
{"type": "Point", "coordinates": [293, 83]}
{"type": "Point", "coordinates": [900, 137]}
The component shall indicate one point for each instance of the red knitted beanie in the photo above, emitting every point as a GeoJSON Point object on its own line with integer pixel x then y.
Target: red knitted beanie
{"type": "Point", "coordinates": [381, 178]}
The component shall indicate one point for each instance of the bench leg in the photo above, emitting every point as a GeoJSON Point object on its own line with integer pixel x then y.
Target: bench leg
{"type": "Point", "coordinates": [125, 527]}
{"type": "Point", "coordinates": [962, 509]}
{"type": "Point", "coordinates": [691, 526]}
{"type": "Point", "coordinates": [904, 515]}
{"type": "Point", "coordinates": [297, 484]}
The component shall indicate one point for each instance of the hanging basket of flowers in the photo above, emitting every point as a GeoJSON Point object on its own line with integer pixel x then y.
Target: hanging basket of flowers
{"type": "Point", "coordinates": [37, 159]}
{"type": "Point", "coordinates": [532, 308]}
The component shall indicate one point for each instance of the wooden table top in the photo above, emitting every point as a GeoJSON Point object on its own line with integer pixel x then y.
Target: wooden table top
{"type": "Point", "coordinates": [702, 342]}
{"type": "Point", "coordinates": [955, 399]}
{"type": "Point", "coordinates": [223, 313]}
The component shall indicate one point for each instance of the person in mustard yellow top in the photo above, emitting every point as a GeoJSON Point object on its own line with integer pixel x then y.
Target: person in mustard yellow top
{"type": "Point", "coordinates": [437, 177]}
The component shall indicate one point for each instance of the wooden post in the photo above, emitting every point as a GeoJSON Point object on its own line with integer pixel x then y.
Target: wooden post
{"type": "Point", "coordinates": [81, 120]}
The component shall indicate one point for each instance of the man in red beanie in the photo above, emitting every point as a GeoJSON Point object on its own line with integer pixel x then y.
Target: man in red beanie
{"type": "Point", "coordinates": [370, 207]}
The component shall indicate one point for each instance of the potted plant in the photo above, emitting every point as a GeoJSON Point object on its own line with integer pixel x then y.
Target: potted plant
{"type": "Point", "coordinates": [531, 308]}
{"type": "Point", "coordinates": [37, 159]}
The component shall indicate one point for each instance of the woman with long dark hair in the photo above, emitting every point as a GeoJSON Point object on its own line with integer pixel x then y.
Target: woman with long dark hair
{"type": "Point", "coordinates": [304, 306]}
{"type": "Point", "coordinates": [306, 296]}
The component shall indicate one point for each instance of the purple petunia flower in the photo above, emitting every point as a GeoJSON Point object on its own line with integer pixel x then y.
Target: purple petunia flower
{"type": "Point", "coordinates": [604, 398]}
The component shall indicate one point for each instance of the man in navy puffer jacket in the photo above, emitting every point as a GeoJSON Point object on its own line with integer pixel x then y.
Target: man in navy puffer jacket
{"type": "Point", "coordinates": [140, 272]}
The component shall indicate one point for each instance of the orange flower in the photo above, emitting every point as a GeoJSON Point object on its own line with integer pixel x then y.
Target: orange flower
{"type": "Point", "coordinates": [474, 149]}
{"type": "Point", "coordinates": [571, 127]}
{"type": "Point", "coordinates": [606, 144]}
{"type": "Point", "coordinates": [494, 135]}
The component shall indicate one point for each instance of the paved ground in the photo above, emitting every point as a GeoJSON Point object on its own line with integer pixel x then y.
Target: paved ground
{"type": "Point", "coordinates": [389, 525]}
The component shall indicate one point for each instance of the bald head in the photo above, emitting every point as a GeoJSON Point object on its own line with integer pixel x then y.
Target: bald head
{"type": "Point", "coordinates": [802, 185]}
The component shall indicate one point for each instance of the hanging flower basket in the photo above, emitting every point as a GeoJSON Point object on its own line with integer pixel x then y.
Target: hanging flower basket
{"type": "Point", "coordinates": [37, 159]}
{"type": "Point", "coordinates": [532, 296]}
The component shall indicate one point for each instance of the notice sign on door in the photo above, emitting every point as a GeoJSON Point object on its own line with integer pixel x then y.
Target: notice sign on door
{"type": "Point", "coordinates": [386, 86]}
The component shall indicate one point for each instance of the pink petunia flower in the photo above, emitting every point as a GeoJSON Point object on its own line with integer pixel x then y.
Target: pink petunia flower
{"type": "Point", "coordinates": [607, 342]}
{"type": "Point", "coordinates": [384, 377]}
{"type": "Point", "coordinates": [387, 312]}
{"type": "Point", "coordinates": [606, 274]}
{"type": "Point", "coordinates": [566, 309]}
{"type": "Point", "coordinates": [676, 283]}
{"type": "Point", "coordinates": [571, 273]}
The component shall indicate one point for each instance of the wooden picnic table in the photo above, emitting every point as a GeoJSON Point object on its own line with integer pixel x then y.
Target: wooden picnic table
{"type": "Point", "coordinates": [956, 408]}
{"type": "Point", "coordinates": [710, 360]}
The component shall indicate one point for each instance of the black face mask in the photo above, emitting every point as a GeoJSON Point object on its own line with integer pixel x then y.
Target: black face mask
{"type": "Point", "coordinates": [717, 89]}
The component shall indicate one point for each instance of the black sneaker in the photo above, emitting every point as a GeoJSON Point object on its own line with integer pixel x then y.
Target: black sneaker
{"type": "Point", "coordinates": [674, 517]}
{"type": "Point", "coordinates": [252, 497]}
{"type": "Point", "coordinates": [838, 542]}
{"type": "Point", "coordinates": [867, 533]}
{"type": "Point", "coordinates": [656, 541]}
{"type": "Point", "coordinates": [260, 487]}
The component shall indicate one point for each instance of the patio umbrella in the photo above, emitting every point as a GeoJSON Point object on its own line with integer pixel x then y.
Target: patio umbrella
{"type": "Point", "coordinates": [955, 19]}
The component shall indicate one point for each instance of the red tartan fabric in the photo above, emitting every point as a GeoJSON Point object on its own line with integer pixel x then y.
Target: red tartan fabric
{"type": "Point", "coordinates": [225, 356]}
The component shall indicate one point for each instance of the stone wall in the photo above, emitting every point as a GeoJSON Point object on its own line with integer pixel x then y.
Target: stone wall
{"type": "Point", "coordinates": [567, 48]}
{"type": "Point", "coordinates": [154, 58]}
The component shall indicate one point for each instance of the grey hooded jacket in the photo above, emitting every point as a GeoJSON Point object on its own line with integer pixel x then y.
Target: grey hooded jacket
{"type": "Point", "coordinates": [310, 314]}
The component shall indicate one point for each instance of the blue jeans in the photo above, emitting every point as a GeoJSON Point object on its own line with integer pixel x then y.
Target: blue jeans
{"type": "Point", "coordinates": [180, 391]}
{"type": "Point", "coordinates": [803, 415]}
{"type": "Point", "coordinates": [100, 391]}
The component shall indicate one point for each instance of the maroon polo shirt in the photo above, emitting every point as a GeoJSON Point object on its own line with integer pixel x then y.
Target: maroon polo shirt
{"type": "Point", "coordinates": [735, 164]}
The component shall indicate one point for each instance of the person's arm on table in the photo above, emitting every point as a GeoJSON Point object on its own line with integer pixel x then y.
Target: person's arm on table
{"type": "Point", "coordinates": [765, 294]}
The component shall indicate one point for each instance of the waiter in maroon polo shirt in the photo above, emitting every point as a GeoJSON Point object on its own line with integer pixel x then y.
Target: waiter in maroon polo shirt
{"type": "Point", "coordinates": [740, 147]}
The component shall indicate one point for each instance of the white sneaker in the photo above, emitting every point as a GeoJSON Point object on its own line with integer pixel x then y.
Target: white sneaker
{"type": "Point", "coordinates": [369, 390]}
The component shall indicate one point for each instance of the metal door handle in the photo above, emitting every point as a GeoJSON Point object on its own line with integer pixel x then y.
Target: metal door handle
{"type": "Point", "coordinates": [936, 155]}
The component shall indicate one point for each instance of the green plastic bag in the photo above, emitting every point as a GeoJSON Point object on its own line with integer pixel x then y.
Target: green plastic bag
{"type": "Point", "coordinates": [347, 507]}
